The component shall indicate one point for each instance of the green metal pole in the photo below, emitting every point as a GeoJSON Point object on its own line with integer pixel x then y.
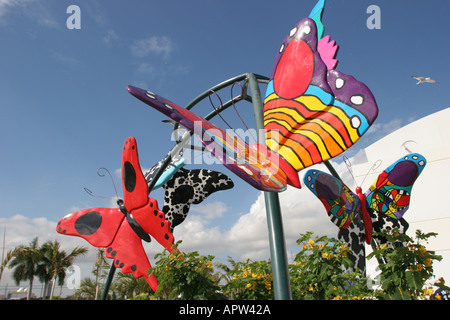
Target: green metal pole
{"type": "Point", "coordinates": [112, 270]}
{"type": "Point", "coordinates": [280, 269]}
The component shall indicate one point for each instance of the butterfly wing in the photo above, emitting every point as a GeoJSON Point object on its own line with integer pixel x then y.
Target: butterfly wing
{"type": "Point", "coordinates": [135, 187]}
{"type": "Point", "coordinates": [98, 226]}
{"type": "Point", "coordinates": [129, 255]}
{"type": "Point", "coordinates": [176, 163]}
{"type": "Point", "coordinates": [391, 192]}
{"type": "Point", "coordinates": [341, 203]}
{"type": "Point", "coordinates": [107, 228]}
{"type": "Point", "coordinates": [191, 187]}
{"type": "Point", "coordinates": [250, 164]}
{"type": "Point", "coordinates": [312, 114]}
{"type": "Point", "coordinates": [143, 209]}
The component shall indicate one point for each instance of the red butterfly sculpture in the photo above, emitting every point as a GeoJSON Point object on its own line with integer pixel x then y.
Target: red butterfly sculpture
{"type": "Point", "coordinates": [121, 230]}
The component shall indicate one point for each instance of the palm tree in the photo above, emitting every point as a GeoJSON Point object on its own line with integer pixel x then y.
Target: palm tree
{"type": "Point", "coordinates": [127, 286]}
{"type": "Point", "coordinates": [9, 255]}
{"type": "Point", "coordinates": [54, 263]}
{"type": "Point", "coordinates": [100, 266]}
{"type": "Point", "coordinates": [25, 260]}
{"type": "Point", "coordinates": [87, 290]}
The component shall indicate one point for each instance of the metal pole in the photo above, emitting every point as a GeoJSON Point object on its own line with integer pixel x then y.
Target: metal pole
{"type": "Point", "coordinates": [112, 270]}
{"type": "Point", "coordinates": [280, 269]}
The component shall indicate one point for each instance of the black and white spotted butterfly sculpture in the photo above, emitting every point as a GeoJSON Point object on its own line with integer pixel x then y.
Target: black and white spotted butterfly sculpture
{"type": "Point", "coordinates": [358, 215]}
{"type": "Point", "coordinates": [184, 187]}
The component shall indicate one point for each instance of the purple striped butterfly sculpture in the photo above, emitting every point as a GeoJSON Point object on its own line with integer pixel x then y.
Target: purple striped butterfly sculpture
{"type": "Point", "coordinates": [383, 205]}
{"type": "Point", "coordinates": [312, 112]}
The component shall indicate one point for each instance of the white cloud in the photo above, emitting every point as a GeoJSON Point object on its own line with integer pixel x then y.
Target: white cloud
{"type": "Point", "coordinates": [161, 45]}
{"type": "Point", "coordinates": [32, 9]}
{"type": "Point", "coordinates": [211, 210]}
{"type": "Point", "coordinates": [110, 36]}
{"type": "Point", "coordinates": [20, 230]}
{"type": "Point", "coordinates": [65, 59]}
{"type": "Point", "coordinates": [6, 5]}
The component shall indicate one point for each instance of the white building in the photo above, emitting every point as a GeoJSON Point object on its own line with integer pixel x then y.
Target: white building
{"type": "Point", "coordinates": [429, 210]}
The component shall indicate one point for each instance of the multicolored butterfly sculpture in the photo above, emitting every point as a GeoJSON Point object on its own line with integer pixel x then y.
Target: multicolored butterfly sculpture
{"type": "Point", "coordinates": [383, 205]}
{"type": "Point", "coordinates": [312, 113]}
{"type": "Point", "coordinates": [121, 230]}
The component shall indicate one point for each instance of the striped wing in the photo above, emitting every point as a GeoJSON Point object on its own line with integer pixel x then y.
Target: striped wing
{"type": "Point", "coordinates": [390, 194]}
{"type": "Point", "coordinates": [312, 114]}
{"type": "Point", "coordinates": [257, 167]}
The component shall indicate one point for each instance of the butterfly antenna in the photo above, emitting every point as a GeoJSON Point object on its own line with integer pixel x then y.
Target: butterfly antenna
{"type": "Point", "coordinates": [375, 166]}
{"type": "Point", "coordinates": [405, 147]}
{"type": "Point", "coordinates": [89, 192]}
{"type": "Point", "coordinates": [235, 109]}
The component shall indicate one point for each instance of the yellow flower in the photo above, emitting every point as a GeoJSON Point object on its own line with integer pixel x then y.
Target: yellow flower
{"type": "Point", "coordinates": [248, 285]}
{"type": "Point", "coordinates": [337, 298]}
{"type": "Point", "coordinates": [428, 263]}
{"type": "Point", "coordinates": [327, 256]}
{"type": "Point", "coordinates": [422, 250]}
{"type": "Point", "coordinates": [428, 291]}
{"type": "Point", "coordinates": [268, 286]}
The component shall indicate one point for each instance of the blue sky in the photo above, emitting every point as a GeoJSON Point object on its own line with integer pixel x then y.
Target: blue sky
{"type": "Point", "coordinates": [65, 110]}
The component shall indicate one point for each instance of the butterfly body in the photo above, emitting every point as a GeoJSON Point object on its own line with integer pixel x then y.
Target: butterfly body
{"type": "Point", "coordinates": [121, 230]}
{"type": "Point", "coordinates": [232, 152]}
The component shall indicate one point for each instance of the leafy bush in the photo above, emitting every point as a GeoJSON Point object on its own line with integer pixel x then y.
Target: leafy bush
{"type": "Point", "coordinates": [319, 271]}
{"type": "Point", "coordinates": [409, 265]}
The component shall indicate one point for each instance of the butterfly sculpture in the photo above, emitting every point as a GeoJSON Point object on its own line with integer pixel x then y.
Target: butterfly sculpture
{"type": "Point", "coordinates": [188, 187]}
{"type": "Point", "coordinates": [121, 230]}
{"type": "Point", "coordinates": [312, 113]}
{"type": "Point", "coordinates": [383, 205]}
